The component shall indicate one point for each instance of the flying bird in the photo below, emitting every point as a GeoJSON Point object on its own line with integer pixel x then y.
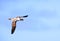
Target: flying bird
{"type": "Point", "coordinates": [14, 20]}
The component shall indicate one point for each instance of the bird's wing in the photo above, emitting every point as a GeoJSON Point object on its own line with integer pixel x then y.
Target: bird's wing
{"type": "Point", "coordinates": [13, 27]}
{"type": "Point", "coordinates": [25, 16]}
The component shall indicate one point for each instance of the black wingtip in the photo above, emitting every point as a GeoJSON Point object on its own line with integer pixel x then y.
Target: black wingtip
{"type": "Point", "coordinates": [11, 32]}
{"type": "Point", "coordinates": [25, 16]}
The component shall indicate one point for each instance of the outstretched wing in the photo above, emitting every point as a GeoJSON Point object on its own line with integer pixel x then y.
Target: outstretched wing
{"type": "Point", "coordinates": [13, 27]}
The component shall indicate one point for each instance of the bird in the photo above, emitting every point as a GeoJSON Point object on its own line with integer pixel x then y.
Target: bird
{"type": "Point", "coordinates": [14, 20]}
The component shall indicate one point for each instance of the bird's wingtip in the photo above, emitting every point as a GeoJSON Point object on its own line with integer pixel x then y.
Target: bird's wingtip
{"type": "Point", "coordinates": [25, 16]}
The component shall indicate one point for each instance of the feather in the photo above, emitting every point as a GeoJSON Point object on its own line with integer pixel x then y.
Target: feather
{"type": "Point", "coordinates": [13, 27]}
{"type": "Point", "coordinates": [25, 16]}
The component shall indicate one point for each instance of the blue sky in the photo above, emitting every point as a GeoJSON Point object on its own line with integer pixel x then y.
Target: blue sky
{"type": "Point", "coordinates": [42, 24]}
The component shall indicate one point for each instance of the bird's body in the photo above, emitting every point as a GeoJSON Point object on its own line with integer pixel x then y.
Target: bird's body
{"type": "Point", "coordinates": [14, 20]}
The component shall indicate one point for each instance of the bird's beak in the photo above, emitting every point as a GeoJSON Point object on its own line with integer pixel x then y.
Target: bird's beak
{"type": "Point", "coordinates": [9, 19]}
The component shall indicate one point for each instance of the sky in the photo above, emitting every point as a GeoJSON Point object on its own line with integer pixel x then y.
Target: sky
{"type": "Point", "coordinates": [42, 23]}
